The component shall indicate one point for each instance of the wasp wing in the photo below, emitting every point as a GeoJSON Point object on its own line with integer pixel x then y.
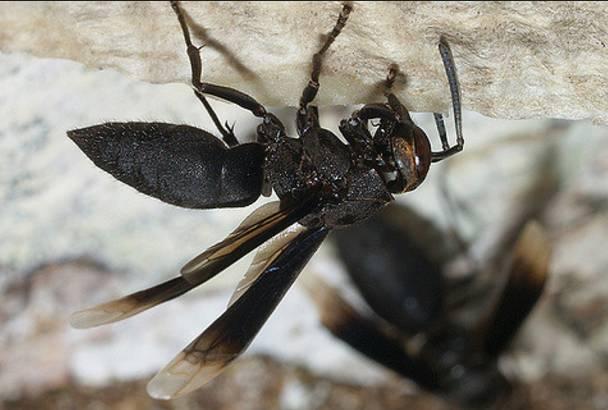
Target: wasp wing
{"type": "Point", "coordinates": [178, 164]}
{"type": "Point", "coordinates": [232, 332]}
{"type": "Point", "coordinates": [265, 255]}
{"type": "Point", "coordinates": [130, 305]}
{"type": "Point", "coordinates": [261, 225]}
{"type": "Point", "coordinates": [526, 279]}
{"type": "Point", "coordinates": [368, 336]}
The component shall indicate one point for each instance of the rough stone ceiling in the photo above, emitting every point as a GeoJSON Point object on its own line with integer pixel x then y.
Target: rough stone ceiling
{"type": "Point", "coordinates": [515, 60]}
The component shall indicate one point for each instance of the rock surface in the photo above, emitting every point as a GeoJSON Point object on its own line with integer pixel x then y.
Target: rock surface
{"type": "Point", "coordinates": [73, 236]}
{"type": "Point", "coordinates": [515, 60]}
{"type": "Point", "coordinates": [261, 383]}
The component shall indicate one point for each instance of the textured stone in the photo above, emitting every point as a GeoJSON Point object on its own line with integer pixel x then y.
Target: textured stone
{"type": "Point", "coordinates": [57, 207]}
{"type": "Point", "coordinates": [515, 60]}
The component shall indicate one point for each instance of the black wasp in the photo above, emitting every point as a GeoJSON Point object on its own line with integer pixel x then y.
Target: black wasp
{"type": "Point", "coordinates": [321, 182]}
{"type": "Point", "coordinates": [444, 335]}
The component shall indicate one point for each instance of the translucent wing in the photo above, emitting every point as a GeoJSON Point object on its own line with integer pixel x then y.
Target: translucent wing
{"type": "Point", "coordinates": [232, 332]}
{"type": "Point", "coordinates": [265, 255]}
{"type": "Point", "coordinates": [130, 305]}
{"type": "Point", "coordinates": [263, 223]}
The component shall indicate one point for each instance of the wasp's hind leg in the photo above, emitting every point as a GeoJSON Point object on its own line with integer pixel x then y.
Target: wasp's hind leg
{"type": "Point", "coordinates": [226, 93]}
{"type": "Point", "coordinates": [196, 70]}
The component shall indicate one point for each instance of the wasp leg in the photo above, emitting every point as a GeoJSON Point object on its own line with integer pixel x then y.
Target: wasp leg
{"type": "Point", "coordinates": [393, 110]}
{"type": "Point", "coordinates": [355, 130]}
{"type": "Point", "coordinates": [367, 336]}
{"type": "Point", "coordinates": [201, 88]}
{"type": "Point", "coordinates": [196, 69]}
{"type": "Point", "coordinates": [450, 71]}
{"type": "Point", "coordinates": [393, 101]}
{"type": "Point", "coordinates": [373, 111]}
{"type": "Point", "coordinates": [358, 136]}
{"type": "Point", "coordinates": [306, 118]}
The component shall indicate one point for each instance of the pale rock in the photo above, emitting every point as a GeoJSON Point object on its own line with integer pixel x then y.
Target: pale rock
{"type": "Point", "coordinates": [515, 59]}
{"type": "Point", "coordinates": [57, 207]}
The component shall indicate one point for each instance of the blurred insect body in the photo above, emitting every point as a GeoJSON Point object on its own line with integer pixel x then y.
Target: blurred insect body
{"type": "Point", "coordinates": [413, 328]}
{"type": "Point", "coordinates": [321, 182]}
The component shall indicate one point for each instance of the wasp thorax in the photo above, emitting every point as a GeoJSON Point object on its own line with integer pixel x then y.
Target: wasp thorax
{"type": "Point", "coordinates": [410, 158]}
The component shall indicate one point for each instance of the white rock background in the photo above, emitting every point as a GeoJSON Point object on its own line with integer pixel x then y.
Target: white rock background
{"type": "Point", "coordinates": [73, 236]}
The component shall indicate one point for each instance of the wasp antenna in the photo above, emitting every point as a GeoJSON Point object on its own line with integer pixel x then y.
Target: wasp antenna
{"type": "Point", "coordinates": [450, 71]}
{"type": "Point", "coordinates": [441, 130]}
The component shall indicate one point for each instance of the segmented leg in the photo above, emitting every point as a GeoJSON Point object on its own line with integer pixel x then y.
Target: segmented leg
{"type": "Point", "coordinates": [393, 102]}
{"type": "Point", "coordinates": [200, 88]}
{"type": "Point", "coordinates": [196, 70]}
{"type": "Point", "coordinates": [355, 130]}
{"type": "Point", "coordinates": [305, 118]}
{"type": "Point", "coordinates": [401, 111]}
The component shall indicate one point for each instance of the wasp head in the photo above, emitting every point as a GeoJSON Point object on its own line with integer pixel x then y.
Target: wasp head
{"type": "Point", "coordinates": [407, 157]}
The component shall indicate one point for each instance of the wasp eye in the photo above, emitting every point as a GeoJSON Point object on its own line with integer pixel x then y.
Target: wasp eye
{"type": "Point", "coordinates": [422, 149]}
{"type": "Point", "coordinates": [411, 155]}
